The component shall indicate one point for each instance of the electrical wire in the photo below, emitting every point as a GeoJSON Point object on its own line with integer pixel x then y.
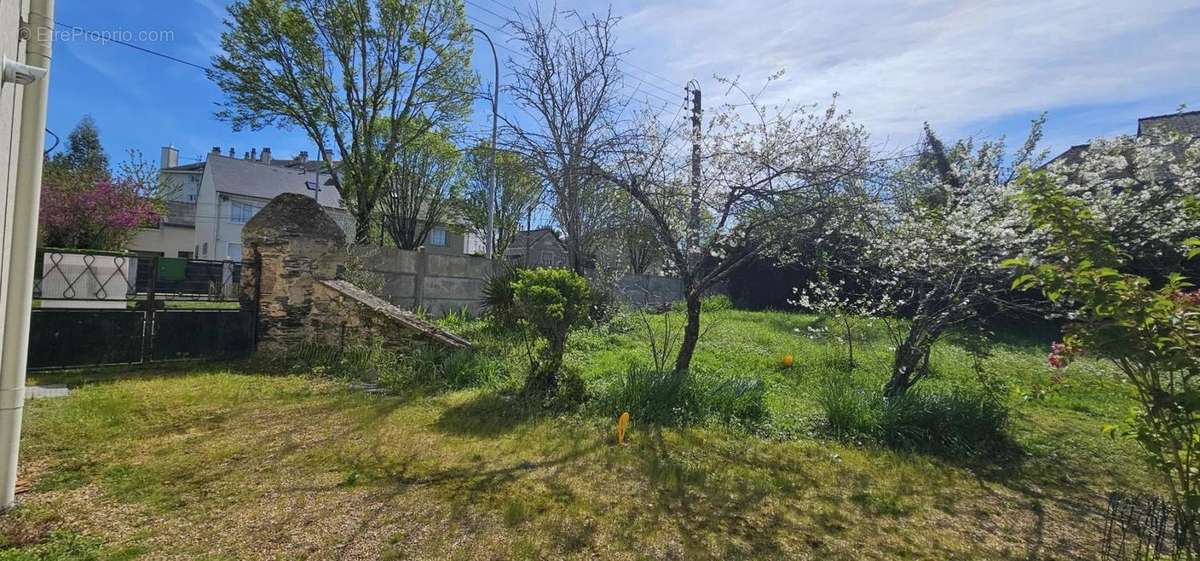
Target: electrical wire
{"type": "Point", "coordinates": [102, 37]}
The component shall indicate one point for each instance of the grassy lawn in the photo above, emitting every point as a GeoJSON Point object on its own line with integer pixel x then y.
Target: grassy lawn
{"type": "Point", "coordinates": [221, 462]}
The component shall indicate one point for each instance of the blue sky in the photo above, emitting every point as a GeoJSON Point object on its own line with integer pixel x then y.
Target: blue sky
{"type": "Point", "coordinates": [969, 67]}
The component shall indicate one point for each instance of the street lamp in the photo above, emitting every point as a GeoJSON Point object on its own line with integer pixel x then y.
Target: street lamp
{"type": "Point", "coordinates": [491, 203]}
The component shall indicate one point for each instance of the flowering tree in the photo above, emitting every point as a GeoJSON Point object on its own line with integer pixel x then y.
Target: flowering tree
{"type": "Point", "coordinates": [759, 167]}
{"type": "Point", "coordinates": [1151, 333]}
{"type": "Point", "coordinates": [104, 215]}
{"type": "Point", "coordinates": [840, 302]}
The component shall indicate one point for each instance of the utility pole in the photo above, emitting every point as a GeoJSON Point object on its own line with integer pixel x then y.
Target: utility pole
{"type": "Point", "coordinates": [491, 202]}
{"type": "Point", "coordinates": [693, 225]}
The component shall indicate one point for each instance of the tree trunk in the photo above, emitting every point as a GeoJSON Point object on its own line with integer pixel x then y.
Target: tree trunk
{"type": "Point", "coordinates": [362, 229]}
{"type": "Point", "coordinates": [691, 332]}
{"type": "Point", "coordinates": [910, 363]}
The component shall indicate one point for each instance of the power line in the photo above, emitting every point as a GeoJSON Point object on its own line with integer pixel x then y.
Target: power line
{"type": "Point", "coordinates": [102, 37]}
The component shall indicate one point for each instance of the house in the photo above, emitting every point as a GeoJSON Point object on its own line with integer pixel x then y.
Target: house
{"type": "Point", "coordinates": [537, 248]}
{"type": "Point", "coordinates": [1186, 123]}
{"type": "Point", "coordinates": [210, 201]}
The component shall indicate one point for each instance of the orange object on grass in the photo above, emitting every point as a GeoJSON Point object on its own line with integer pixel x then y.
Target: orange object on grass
{"type": "Point", "coordinates": [788, 361]}
{"type": "Point", "coordinates": [622, 424]}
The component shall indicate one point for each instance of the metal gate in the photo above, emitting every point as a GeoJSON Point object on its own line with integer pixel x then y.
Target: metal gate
{"type": "Point", "coordinates": [98, 308]}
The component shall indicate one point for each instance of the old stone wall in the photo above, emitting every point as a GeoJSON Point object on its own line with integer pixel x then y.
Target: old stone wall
{"type": "Point", "coordinates": [294, 252]}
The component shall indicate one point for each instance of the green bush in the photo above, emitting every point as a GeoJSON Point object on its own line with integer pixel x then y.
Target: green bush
{"type": "Point", "coordinates": [960, 422]}
{"type": "Point", "coordinates": [499, 298]}
{"type": "Point", "coordinates": [674, 398]}
{"type": "Point", "coordinates": [550, 303]}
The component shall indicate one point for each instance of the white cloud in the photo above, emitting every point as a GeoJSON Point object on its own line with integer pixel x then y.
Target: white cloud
{"type": "Point", "coordinates": [950, 63]}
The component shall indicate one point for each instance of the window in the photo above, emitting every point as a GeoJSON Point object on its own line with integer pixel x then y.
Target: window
{"type": "Point", "coordinates": [205, 253]}
{"type": "Point", "coordinates": [235, 251]}
{"type": "Point", "coordinates": [437, 236]}
{"type": "Point", "coordinates": [185, 255]}
{"type": "Point", "coordinates": [240, 213]}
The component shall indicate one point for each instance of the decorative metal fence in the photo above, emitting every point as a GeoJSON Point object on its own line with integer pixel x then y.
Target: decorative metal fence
{"type": "Point", "coordinates": [1143, 528]}
{"type": "Point", "coordinates": [96, 308]}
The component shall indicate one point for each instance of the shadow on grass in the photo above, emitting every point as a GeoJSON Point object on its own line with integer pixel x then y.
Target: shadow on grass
{"type": "Point", "coordinates": [488, 415]}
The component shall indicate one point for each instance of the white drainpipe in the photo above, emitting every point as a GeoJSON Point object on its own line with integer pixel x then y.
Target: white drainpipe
{"type": "Point", "coordinates": [24, 245]}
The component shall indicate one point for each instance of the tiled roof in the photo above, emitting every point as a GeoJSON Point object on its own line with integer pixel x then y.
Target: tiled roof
{"type": "Point", "coordinates": [252, 178]}
{"type": "Point", "coordinates": [1186, 123]}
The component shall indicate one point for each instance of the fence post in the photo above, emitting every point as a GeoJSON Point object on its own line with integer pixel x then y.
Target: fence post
{"type": "Point", "coordinates": [419, 279]}
{"type": "Point", "coordinates": [151, 295]}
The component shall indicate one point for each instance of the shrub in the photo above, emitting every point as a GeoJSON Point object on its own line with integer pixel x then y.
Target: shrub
{"type": "Point", "coordinates": [676, 398]}
{"type": "Point", "coordinates": [550, 303]}
{"type": "Point", "coordinates": [498, 297]}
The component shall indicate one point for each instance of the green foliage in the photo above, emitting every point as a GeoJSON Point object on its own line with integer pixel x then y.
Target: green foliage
{"type": "Point", "coordinates": [550, 303]}
{"type": "Point", "coordinates": [421, 368]}
{"type": "Point", "coordinates": [716, 303]}
{"type": "Point", "coordinates": [422, 189]}
{"type": "Point", "coordinates": [680, 398]}
{"type": "Point", "coordinates": [83, 161]}
{"type": "Point", "coordinates": [518, 190]}
{"type": "Point", "coordinates": [356, 77]}
{"type": "Point", "coordinates": [1151, 333]}
{"type": "Point", "coordinates": [61, 546]}
{"type": "Point", "coordinates": [957, 422]}
{"type": "Point", "coordinates": [499, 298]}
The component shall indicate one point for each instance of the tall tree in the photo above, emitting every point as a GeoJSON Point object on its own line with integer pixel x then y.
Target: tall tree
{"type": "Point", "coordinates": [569, 84]}
{"type": "Point", "coordinates": [84, 158]}
{"type": "Point", "coordinates": [363, 78]}
{"type": "Point", "coordinates": [422, 189]}
{"type": "Point", "coordinates": [518, 191]}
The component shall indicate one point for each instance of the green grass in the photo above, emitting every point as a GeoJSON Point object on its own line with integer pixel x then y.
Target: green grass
{"type": "Point", "coordinates": [220, 462]}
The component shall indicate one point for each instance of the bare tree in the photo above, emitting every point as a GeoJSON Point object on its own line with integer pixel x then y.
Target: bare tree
{"type": "Point", "coordinates": [759, 167]}
{"type": "Point", "coordinates": [568, 84]}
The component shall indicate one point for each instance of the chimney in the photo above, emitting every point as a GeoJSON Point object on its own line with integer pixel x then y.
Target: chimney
{"type": "Point", "coordinates": [169, 157]}
{"type": "Point", "coordinates": [266, 156]}
{"type": "Point", "coordinates": [302, 157]}
{"type": "Point", "coordinates": [328, 155]}
{"type": "Point", "coordinates": [253, 154]}
{"type": "Point", "coordinates": [216, 150]}
{"type": "Point", "coordinates": [232, 153]}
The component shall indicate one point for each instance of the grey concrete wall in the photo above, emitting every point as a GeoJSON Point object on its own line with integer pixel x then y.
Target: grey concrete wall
{"type": "Point", "coordinates": [448, 283]}
{"type": "Point", "coordinates": [647, 290]}
{"type": "Point", "coordinates": [435, 282]}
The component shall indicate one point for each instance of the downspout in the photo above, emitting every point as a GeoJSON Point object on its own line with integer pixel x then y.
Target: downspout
{"type": "Point", "coordinates": [38, 35]}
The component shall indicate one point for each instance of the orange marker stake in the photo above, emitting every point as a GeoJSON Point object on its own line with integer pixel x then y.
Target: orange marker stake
{"type": "Point", "coordinates": [622, 424]}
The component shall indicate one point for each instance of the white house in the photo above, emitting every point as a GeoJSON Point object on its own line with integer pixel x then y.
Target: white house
{"type": "Point", "coordinates": [211, 201]}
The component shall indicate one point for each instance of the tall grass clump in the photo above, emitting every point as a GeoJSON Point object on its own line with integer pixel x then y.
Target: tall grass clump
{"type": "Point", "coordinates": [680, 398]}
{"type": "Point", "coordinates": [417, 368]}
{"type": "Point", "coordinates": [851, 410]}
{"type": "Point", "coordinates": [956, 422]}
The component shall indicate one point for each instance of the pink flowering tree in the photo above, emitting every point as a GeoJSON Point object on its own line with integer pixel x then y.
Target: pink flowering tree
{"type": "Point", "coordinates": [1150, 331]}
{"type": "Point", "coordinates": [104, 215]}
